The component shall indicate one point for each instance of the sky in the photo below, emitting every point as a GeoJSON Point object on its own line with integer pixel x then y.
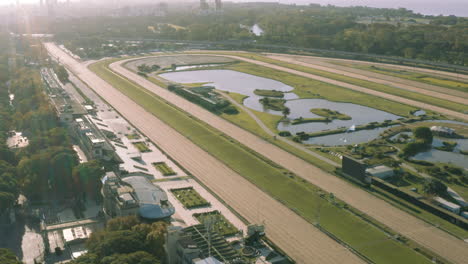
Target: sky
{"type": "Point", "coordinates": [428, 7]}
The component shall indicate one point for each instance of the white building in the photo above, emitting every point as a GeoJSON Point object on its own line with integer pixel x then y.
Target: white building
{"type": "Point", "coordinates": [381, 172]}
{"type": "Point", "coordinates": [442, 131]}
{"type": "Point", "coordinates": [454, 208]}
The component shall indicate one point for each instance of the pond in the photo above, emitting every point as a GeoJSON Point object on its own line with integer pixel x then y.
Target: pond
{"type": "Point", "coordinates": [435, 155]}
{"type": "Point", "coordinates": [455, 157]}
{"type": "Point", "coordinates": [242, 83]}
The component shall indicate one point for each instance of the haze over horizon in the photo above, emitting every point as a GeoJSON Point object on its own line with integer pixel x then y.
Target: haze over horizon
{"type": "Point", "coordinates": [426, 7]}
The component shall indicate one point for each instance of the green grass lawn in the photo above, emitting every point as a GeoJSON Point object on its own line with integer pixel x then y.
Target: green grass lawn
{"type": "Point", "coordinates": [301, 120]}
{"type": "Point", "coordinates": [133, 136]}
{"type": "Point", "coordinates": [220, 224]}
{"type": "Point", "coordinates": [330, 114]}
{"type": "Point", "coordinates": [269, 93]}
{"type": "Point", "coordinates": [310, 88]}
{"type": "Point", "coordinates": [189, 198]}
{"type": "Point", "coordinates": [142, 147]}
{"type": "Point", "coordinates": [292, 191]}
{"type": "Point", "coordinates": [273, 103]}
{"type": "Point", "coordinates": [367, 84]}
{"type": "Point", "coordinates": [164, 169]}
{"type": "Point", "coordinates": [415, 76]}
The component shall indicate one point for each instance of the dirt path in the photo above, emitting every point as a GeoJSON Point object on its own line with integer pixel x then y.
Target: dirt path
{"type": "Point", "coordinates": [413, 86]}
{"type": "Point", "coordinates": [439, 241]}
{"type": "Point", "coordinates": [293, 234]}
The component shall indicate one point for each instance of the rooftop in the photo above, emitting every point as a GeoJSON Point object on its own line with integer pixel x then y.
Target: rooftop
{"type": "Point", "coordinates": [152, 199]}
{"type": "Point", "coordinates": [379, 169]}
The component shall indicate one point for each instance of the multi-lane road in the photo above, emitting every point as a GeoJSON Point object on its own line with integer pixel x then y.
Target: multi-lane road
{"type": "Point", "coordinates": [237, 193]}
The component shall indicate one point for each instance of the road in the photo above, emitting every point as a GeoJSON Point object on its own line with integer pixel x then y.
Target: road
{"type": "Point", "coordinates": [298, 238]}
{"type": "Point", "coordinates": [437, 240]}
{"type": "Point", "coordinates": [413, 86]}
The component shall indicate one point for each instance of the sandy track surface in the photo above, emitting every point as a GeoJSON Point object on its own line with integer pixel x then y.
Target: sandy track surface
{"type": "Point", "coordinates": [430, 237]}
{"type": "Point", "coordinates": [443, 74]}
{"type": "Point", "coordinates": [293, 234]}
{"type": "Point", "coordinates": [413, 86]}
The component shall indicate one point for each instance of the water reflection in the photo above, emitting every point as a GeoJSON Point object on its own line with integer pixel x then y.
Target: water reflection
{"type": "Point", "coordinates": [245, 84]}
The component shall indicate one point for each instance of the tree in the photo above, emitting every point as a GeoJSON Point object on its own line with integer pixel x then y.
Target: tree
{"type": "Point", "coordinates": [62, 74]}
{"type": "Point", "coordinates": [413, 148]}
{"type": "Point", "coordinates": [435, 187]}
{"type": "Point", "coordinates": [8, 257]}
{"type": "Point", "coordinates": [87, 176]}
{"type": "Point", "coordinates": [286, 112]}
{"type": "Point", "coordinates": [424, 134]}
{"type": "Point", "coordinates": [139, 257]}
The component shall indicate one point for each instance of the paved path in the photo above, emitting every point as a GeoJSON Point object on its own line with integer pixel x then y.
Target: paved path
{"type": "Point", "coordinates": [437, 240]}
{"type": "Point", "coordinates": [293, 234]}
{"type": "Point", "coordinates": [412, 86]}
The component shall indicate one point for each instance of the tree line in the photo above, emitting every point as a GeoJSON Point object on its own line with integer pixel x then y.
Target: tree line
{"type": "Point", "coordinates": [126, 240]}
{"type": "Point", "coordinates": [441, 38]}
{"type": "Point", "coordinates": [48, 168]}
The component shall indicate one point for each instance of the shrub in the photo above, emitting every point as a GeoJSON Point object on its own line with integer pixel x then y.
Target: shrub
{"type": "Point", "coordinates": [231, 110]}
{"type": "Point", "coordinates": [284, 133]}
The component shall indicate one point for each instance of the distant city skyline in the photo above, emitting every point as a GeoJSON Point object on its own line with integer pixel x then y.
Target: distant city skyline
{"type": "Point", "coordinates": [427, 7]}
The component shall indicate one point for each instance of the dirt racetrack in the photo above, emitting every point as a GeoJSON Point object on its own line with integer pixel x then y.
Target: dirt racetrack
{"type": "Point", "coordinates": [413, 86]}
{"type": "Point", "coordinates": [439, 241]}
{"type": "Point", "coordinates": [303, 242]}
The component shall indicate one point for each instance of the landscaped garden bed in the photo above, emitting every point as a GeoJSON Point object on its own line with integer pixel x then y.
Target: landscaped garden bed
{"type": "Point", "coordinates": [190, 198]}
{"type": "Point", "coordinates": [220, 223]}
{"type": "Point", "coordinates": [142, 147]}
{"type": "Point", "coordinates": [164, 169]}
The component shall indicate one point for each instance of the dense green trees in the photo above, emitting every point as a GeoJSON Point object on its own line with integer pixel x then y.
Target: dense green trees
{"type": "Point", "coordinates": [126, 240]}
{"type": "Point", "coordinates": [62, 73]}
{"type": "Point", "coordinates": [332, 28]}
{"type": "Point", "coordinates": [423, 136]}
{"type": "Point", "coordinates": [435, 187]}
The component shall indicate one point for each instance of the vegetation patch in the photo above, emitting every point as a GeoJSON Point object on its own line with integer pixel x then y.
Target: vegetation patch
{"type": "Point", "coordinates": [419, 77]}
{"type": "Point", "coordinates": [142, 147]}
{"type": "Point", "coordinates": [219, 223]}
{"type": "Point", "coordinates": [269, 93]}
{"type": "Point", "coordinates": [447, 146]}
{"type": "Point", "coordinates": [330, 114]}
{"type": "Point", "coordinates": [302, 120]}
{"type": "Point", "coordinates": [341, 96]}
{"type": "Point", "coordinates": [190, 198]}
{"type": "Point", "coordinates": [133, 136]}
{"type": "Point", "coordinates": [273, 103]}
{"type": "Point", "coordinates": [164, 169]}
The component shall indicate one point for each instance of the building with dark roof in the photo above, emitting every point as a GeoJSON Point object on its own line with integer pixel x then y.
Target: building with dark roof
{"type": "Point", "coordinates": [152, 200]}
{"type": "Point", "coordinates": [135, 195]}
